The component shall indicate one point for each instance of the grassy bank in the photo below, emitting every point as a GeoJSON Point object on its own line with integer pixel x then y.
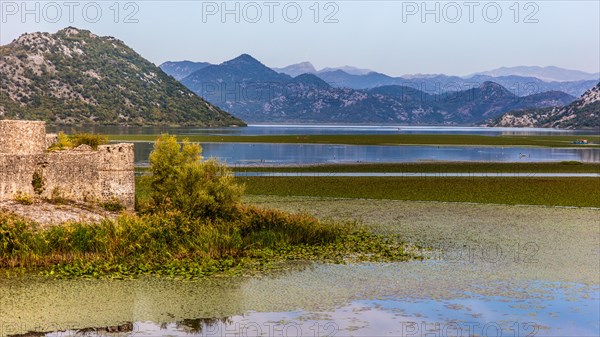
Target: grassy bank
{"type": "Point", "coordinates": [175, 245]}
{"type": "Point", "coordinates": [433, 167]}
{"type": "Point", "coordinates": [400, 139]}
{"type": "Point", "coordinates": [584, 192]}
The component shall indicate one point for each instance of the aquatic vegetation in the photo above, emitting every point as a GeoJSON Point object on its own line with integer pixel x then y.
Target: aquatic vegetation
{"type": "Point", "coordinates": [174, 244]}
{"type": "Point", "coordinates": [440, 167]}
{"type": "Point", "coordinates": [319, 288]}
{"type": "Point", "coordinates": [583, 192]}
{"type": "Point", "coordinates": [394, 139]}
{"type": "Point", "coordinates": [191, 223]}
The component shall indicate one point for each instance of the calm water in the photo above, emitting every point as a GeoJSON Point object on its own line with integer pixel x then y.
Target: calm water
{"type": "Point", "coordinates": [525, 271]}
{"type": "Point", "coordinates": [544, 296]}
{"type": "Point", "coordinates": [472, 316]}
{"type": "Point", "coordinates": [550, 309]}
{"type": "Point", "coordinates": [326, 129]}
{"type": "Point", "coordinates": [289, 154]}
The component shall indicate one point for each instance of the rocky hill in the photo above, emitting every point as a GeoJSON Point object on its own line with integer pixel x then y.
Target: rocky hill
{"type": "Point", "coordinates": [583, 113]}
{"type": "Point", "coordinates": [74, 76]}
{"type": "Point", "coordinates": [254, 92]}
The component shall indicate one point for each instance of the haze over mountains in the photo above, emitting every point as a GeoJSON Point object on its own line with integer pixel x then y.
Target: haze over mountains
{"type": "Point", "coordinates": [548, 74]}
{"type": "Point", "coordinates": [356, 78]}
{"type": "Point", "coordinates": [75, 76]}
{"type": "Point", "coordinates": [256, 93]}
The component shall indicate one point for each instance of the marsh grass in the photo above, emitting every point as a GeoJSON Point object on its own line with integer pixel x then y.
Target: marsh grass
{"type": "Point", "coordinates": [398, 139]}
{"type": "Point", "coordinates": [175, 245]}
{"type": "Point", "coordinates": [582, 192]}
{"type": "Point", "coordinates": [433, 167]}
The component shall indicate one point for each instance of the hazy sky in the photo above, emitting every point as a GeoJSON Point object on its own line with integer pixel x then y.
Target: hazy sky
{"type": "Point", "coordinates": [393, 37]}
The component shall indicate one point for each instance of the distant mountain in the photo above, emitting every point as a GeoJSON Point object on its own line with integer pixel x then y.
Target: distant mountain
{"type": "Point", "coordinates": [420, 76]}
{"type": "Point", "coordinates": [491, 99]}
{"type": "Point", "coordinates": [356, 78]}
{"type": "Point", "coordinates": [181, 69]}
{"type": "Point", "coordinates": [297, 69]}
{"type": "Point", "coordinates": [238, 83]}
{"type": "Point", "coordinates": [347, 69]}
{"type": "Point", "coordinates": [342, 79]}
{"type": "Point", "coordinates": [523, 86]}
{"type": "Point", "coordinates": [307, 68]}
{"type": "Point", "coordinates": [310, 81]}
{"type": "Point", "coordinates": [436, 84]}
{"type": "Point", "coordinates": [256, 93]}
{"type": "Point", "coordinates": [548, 74]}
{"type": "Point", "coordinates": [74, 76]}
{"type": "Point", "coordinates": [580, 114]}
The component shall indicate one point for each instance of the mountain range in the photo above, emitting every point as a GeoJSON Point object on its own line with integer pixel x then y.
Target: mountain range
{"type": "Point", "coordinates": [581, 114]}
{"type": "Point", "coordinates": [355, 78]}
{"type": "Point", "coordinates": [307, 68]}
{"type": "Point", "coordinates": [256, 93]}
{"type": "Point", "coordinates": [518, 85]}
{"type": "Point", "coordinates": [548, 74]}
{"type": "Point", "coordinates": [181, 69]}
{"type": "Point", "coordinates": [75, 76]}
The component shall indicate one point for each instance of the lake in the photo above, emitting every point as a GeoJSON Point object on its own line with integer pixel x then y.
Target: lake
{"type": "Point", "coordinates": [495, 270]}
{"type": "Point", "coordinates": [324, 129]}
{"type": "Point", "coordinates": [290, 154]}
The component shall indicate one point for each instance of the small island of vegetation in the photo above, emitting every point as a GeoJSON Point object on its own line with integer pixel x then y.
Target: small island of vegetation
{"type": "Point", "coordinates": [190, 222]}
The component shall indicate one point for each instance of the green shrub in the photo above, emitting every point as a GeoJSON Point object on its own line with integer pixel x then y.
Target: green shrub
{"type": "Point", "coordinates": [92, 140]}
{"type": "Point", "coordinates": [23, 198]}
{"type": "Point", "coordinates": [63, 142]}
{"type": "Point", "coordinates": [182, 181]}
{"type": "Point", "coordinates": [38, 182]}
{"type": "Point", "coordinates": [57, 197]}
{"type": "Point", "coordinates": [66, 142]}
{"type": "Point", "coordinates": [113, 205]}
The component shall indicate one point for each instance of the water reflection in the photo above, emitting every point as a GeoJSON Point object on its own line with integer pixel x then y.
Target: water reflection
{"type": "Point", "coordinates": [549, 309]}
{"type": "Point", "coordinates": [289, 154]}
{"type": "Point", "coordinates": [122, 329]}
{"type": "Point", "coordinates": [198, 325]}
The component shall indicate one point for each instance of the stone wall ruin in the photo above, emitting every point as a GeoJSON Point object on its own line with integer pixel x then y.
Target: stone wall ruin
{"type": "Point", "coordinates": [81, 174]}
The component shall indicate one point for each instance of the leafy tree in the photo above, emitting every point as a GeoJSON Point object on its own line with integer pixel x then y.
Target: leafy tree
{"type": "Point", "coordinates": [183, 182]}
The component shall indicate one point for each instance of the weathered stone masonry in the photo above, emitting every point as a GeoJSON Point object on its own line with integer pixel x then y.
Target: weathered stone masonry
{"type": "Point", "coordinates": [80, 174]}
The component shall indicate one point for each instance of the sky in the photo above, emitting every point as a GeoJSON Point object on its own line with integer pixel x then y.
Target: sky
{"type": "Point", "coordinates": [392, 37]}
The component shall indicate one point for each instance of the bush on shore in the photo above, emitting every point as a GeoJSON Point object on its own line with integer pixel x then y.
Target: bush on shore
{"type": "Point", "coordinates": [182, 181]}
